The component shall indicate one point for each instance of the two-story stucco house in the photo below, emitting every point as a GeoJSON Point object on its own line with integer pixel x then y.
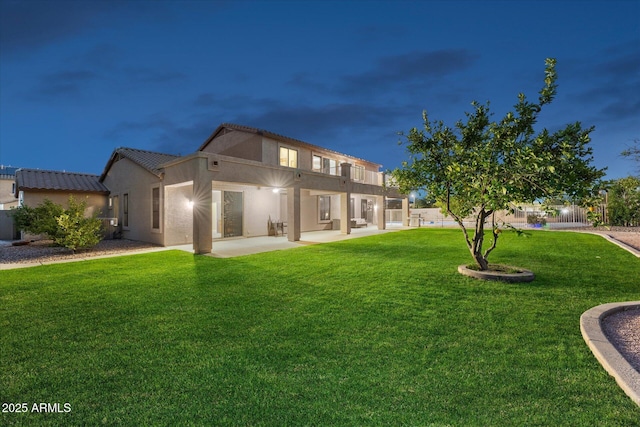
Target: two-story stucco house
{"type": "Point", "coordinates": [237, 183]}
{"type": "Point", "coordinates": [8, 200]}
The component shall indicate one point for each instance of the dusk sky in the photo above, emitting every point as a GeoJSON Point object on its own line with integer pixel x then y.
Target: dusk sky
{"type": "Point", "coordinates": [81, 78]}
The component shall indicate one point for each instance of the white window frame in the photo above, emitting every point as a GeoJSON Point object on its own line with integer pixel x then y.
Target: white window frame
{"type": "Point", "coordinates": [288, 157]}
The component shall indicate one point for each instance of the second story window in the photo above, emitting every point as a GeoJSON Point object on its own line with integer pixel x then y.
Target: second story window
{"type": "Point", "coordinates": [358, 173]}
{"type": "Point", "coordinates": [317, 163]}
{"type": "Point", "coordinates": [288, 157]}
{"type": "Point", "coordinates": [329, 166]}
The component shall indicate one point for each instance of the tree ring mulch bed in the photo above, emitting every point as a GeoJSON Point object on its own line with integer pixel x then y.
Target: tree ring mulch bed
{"type": "Point", "coordinates": [502, 273]}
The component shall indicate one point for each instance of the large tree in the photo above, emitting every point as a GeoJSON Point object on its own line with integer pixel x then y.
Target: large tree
{"type": "Point", "coordinates": [480, 166]}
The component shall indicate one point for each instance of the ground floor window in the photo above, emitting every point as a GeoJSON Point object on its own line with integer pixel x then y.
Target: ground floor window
{"type": "Point", "coordinates": [125, 209]}
{"type": "Point", "coordinates": [155, 208]}
{"type": "Point", "coordinates": [324, 204]}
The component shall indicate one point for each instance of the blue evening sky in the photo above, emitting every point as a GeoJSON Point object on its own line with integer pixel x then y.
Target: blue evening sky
{"type": "Point", "coordinates": [80, 78]}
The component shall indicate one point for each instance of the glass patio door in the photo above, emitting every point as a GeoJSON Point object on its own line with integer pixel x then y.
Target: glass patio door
{"type": "Point", "coordinates": [226, 214]}
{"type": "Point", "coordinates": [232, 211]}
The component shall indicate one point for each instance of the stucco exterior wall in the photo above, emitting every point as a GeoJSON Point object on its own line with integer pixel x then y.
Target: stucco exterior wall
{"type": "Point", "coordinates": [260, 204]}
{"type": "Point", "coordinates": [271, 155]}
{"type": "Point", "coordinates": [126, 177]}
{"type": "Point", "coordinates": [237, 144]}
{"type": "Point", "coordinates": [7, 197]}
{"type": "Point", "coordinates": [178, 215]}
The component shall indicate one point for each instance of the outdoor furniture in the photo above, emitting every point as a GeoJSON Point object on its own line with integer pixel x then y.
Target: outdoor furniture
{"type": "Point", "coordinates": [358, 222]}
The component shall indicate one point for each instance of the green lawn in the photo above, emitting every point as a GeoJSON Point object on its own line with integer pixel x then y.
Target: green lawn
{"type": "Point", "coordinates": [374, 331]}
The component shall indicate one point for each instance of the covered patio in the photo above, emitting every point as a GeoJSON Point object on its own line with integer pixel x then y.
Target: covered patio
{"type": "Point", "coordinates": [253, 245]}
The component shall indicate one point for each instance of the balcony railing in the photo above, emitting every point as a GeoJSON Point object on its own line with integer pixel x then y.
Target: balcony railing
{"type": "Point", "coordinates": [357, 175]}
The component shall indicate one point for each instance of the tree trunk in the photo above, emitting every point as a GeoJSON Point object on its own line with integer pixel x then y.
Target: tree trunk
{"type": "Point", "coordinates": [481, 261]}
{"type": "Point", "coordinates": [478, 240]}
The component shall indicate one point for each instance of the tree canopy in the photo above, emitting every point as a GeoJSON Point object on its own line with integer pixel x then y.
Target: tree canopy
{"type": "Point", "coordinates": [480, 166]}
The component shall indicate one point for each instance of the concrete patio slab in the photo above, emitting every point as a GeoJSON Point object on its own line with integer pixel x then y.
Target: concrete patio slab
{"type": "Point", "coordinates": [254, 245]}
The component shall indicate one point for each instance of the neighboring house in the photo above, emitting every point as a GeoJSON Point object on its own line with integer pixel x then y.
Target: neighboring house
{"type": "Point", "coordinates": [8, 200]}
{"type": "Point", "coordinates": [239, 181]}
{"type": "Point", "coordinates": [33, 186]}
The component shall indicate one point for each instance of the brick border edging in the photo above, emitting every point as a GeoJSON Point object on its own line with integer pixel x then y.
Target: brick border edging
{"type": "Point", "coordinates": [609, 357]}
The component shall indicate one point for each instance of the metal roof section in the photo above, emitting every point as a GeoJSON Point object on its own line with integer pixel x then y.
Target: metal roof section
{"type": "Point", "coordinates": [149, 160]}
{"type": "Point", "coordinates": [231, 126]}
{"type": "Point", "coordinates": [36, 179]}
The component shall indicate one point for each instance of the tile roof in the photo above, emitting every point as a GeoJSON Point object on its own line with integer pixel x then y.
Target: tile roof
{"type": "Point", "coordinates": [150, 160]}
{"type": "Point", "coordinates": [36, 179]}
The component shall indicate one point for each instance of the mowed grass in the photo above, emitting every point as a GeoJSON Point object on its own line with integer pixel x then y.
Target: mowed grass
{"type": "Point", "coordinates": [379, 330]}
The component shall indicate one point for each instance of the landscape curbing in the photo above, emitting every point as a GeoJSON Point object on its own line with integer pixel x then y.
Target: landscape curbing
{"type": "Point", "coordinates": [627, 377]}
{"type": "Point", "coordinates": [617, 242]}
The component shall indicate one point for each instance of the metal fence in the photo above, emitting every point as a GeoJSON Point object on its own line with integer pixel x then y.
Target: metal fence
{"type": "Point", "coordinates": [522, 216]}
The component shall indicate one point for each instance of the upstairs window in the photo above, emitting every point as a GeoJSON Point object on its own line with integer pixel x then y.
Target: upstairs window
{"type": "Point", "coordinates": [317, 163]}
{"type": "Point", "coordinates": [358, 173]}
{"type": "Point", "coordinates": [288, 157]}
{"type": "Point", "coordinates": [329, 166]}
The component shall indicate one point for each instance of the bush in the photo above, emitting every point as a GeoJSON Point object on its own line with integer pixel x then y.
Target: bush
{"type": "Point", "coordinates": [66, 227]}
{"type": "Point", "coordinates": [624, 202]}
{"type": "Point", "coordinates": [39, 220]}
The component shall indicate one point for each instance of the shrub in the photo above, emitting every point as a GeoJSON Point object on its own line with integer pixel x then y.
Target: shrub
{"type": "Point", "coordinates": [39, 220]}
{"type": "Point", "coordinates": [75, 230]}
{"type": "Point", "coordinates": [624, 202]}
{"type": "Point", "coordinates": [66, 227]}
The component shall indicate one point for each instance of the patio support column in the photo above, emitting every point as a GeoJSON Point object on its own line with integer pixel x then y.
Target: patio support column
{"type": "Point", "coordinates": [202, 210]}
{"type": "Point", "coordinates": [405, 211]}
{"type": "Point", "coordinates": [293, 214]}
{"type": "Point", "coordinates": [380, 214]}
{"type": "Point", "coordinates": [345, 199]}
